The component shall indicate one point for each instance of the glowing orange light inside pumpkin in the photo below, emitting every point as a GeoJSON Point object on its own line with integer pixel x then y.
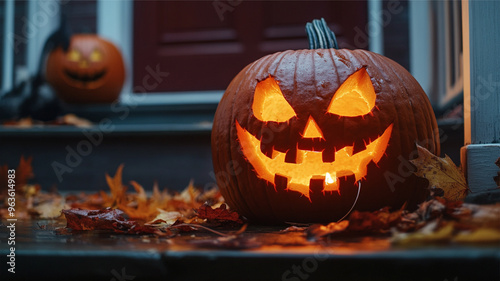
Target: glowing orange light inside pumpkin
{"type": "Point", "coordinates": [73, 55]}
{"type": "Point", "coordinates": [269, 103]}
{"type": "Point", "coordinates": [355, 97]}
{"type": "Point", "coordinates": [309, 164]}
{"type": "Point", "coordinates": [95, 56]}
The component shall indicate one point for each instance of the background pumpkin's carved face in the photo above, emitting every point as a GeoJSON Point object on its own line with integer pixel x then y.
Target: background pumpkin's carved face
{"type": "Point", "coordinates": [355, 97]}
{"type": "Point", "coordinates": [299, 128]}
{"type": "Point", "coordinates": [91, 71]}
{"type": "Point", "coordinates": [86, 65]}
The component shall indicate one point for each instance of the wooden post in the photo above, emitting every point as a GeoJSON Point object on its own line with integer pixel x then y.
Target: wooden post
{"type": "Point", "coordinates": [481, 41]}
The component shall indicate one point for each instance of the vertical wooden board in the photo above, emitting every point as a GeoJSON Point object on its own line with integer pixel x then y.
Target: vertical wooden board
{"type": "Point", "coordinates": [481, 36]}
{"type": "Point", "coordinates": [481, 62]}
{"type": "Point", "coordinates": [481, 166]}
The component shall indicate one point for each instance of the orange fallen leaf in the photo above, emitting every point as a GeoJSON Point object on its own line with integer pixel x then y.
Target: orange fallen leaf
{"type": "Point", "coordinates": [118, 190]}
{"type": "Point", "coordinates": [442, 173]}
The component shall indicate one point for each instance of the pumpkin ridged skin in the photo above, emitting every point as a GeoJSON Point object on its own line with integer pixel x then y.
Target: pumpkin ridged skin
{"type": "Point", "coordinates": [308, 79]}
{"type": "Point", "coordinates": [105, 89]}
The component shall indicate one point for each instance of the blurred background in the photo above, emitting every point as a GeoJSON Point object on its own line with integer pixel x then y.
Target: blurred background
{"type": "Point", "coordinates": [179, 57]}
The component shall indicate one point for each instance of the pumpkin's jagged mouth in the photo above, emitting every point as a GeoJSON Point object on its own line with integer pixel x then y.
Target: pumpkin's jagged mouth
{"type": "Point", "coordinates": [309, 164]}
{"type": "Point", "coordinates": [85, 79]}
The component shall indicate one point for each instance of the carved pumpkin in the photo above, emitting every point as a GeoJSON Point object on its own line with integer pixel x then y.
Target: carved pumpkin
{"type": "Point", "coordinates": [91, 71]}
{"type": "Point", "coordinates": [297, 130]}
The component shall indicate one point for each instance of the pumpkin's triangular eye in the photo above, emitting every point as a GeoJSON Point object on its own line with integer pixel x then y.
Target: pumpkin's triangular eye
{"type": "Point", "coordinates": [73, 55]}
{"type": "Point", "coordinates": [355, 97]}
{"type": "Point", "coordinates": [95, 56]}
{"type": "Point", "coordinates": [269, 104]}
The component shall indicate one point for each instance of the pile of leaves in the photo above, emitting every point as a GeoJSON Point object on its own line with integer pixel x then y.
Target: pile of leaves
{"type": "Point", "coordinates": [444, 218]}
{"type": "Point", "coordinates": [437, 220]}
{"type": "Point", "coordinates": [64, 120]}
{"type": "Point", "coordinates": [118, 210]}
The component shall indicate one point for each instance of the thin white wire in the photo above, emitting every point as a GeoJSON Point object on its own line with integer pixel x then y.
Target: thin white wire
{"type": "Point", "coordinates": [355, 201]}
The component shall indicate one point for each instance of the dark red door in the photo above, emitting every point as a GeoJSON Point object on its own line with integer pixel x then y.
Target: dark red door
{"type": "Point", "coordinates": [204, 44]}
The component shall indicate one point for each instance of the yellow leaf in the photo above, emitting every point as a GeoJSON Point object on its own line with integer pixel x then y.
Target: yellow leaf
{"type": "Point", "coordinates": [431, 233]}
{"type": "Point", "coordinates": [165, 218]}
{"type": "Point", "coordinates": [482, 235]}
{"type": "Point", "coordinates": [441, 173]}
{"type": "Point", "coordinates": [52, 208]}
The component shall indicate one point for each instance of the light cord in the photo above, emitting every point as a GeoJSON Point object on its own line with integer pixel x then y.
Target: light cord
{"type": "Point", "coordinates": [355, 201]}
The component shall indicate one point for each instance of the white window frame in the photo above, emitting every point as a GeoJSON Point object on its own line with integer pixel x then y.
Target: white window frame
{"type": "Point", "coordinates": [434, 75]}
{"type": "Point", "coordinates": [115, 23]}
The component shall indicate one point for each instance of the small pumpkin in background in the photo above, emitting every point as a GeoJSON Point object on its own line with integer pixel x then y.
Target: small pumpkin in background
{"type": "Point", "coordinates": [306, 135]}
{"type": "Point", "coordinates": [91, 71]}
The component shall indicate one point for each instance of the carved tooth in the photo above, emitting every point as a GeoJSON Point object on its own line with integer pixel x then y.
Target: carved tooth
{"type": "Point", "coordinates": [301, 154]}
{"type": "Point", "coordinates": [280, 182]}
{"type": "Point", "coordinates": [275, 153]}
{"type": "Point", "coordinates": [291, 156]}
{"type": "Point", "coordinates": [359, 146]}
{"type": "Point", "coordinates": [329, 155]}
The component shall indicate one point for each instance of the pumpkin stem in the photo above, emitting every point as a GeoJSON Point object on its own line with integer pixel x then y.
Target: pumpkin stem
{"type": "Point", "coordinates": [320, 35]}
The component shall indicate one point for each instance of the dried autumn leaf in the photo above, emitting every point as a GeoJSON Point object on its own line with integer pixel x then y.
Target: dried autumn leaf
{"type": "Point", "coordinates": [104, 219]}
{"type": "Point", "coordinates": [294, 228]}
{"type": "Point", "coordinates": [51, 209]}
{"type": "Point", "coordinates": [481, 235]}
{"type": "Point", "coordinates": [221, 214]}
{"type": "Point", "coordinates": [24, 172]}
{"type": "Point", "coordinates": [139, 206]}
{"type": "Point", "coordinates": [118, 190]}
{"type": "Point", "coordinates": [432, 232]}
{"type": "Point", "coordinates": [441, 173]}
{"type": "Point", "coordinates": [316, 231]}
{"type": "Point", "coordinates": [21, 123]}
{"type": "Point", "coordinates": [188, 198]}
{"type": "Point", "coordinates": [482, 216]}
{"type": "Point", "coordinates": [72, 119]}
{"type": "Point", "coordinates": [374, 222]}
{"type": "Point", "coordinates": [165, 219]}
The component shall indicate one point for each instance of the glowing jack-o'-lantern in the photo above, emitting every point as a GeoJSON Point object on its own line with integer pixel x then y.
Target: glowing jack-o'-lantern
{"type": "Point", "coordinates": [91, 71]}
{"type": "Point", "coordinates": [355, 97]}
{"type": "Point", "coordinates": [296, 131]}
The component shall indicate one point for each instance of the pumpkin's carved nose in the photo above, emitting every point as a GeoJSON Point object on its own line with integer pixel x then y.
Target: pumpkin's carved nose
{"type": "Point", "coordinates": [312, 130]}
